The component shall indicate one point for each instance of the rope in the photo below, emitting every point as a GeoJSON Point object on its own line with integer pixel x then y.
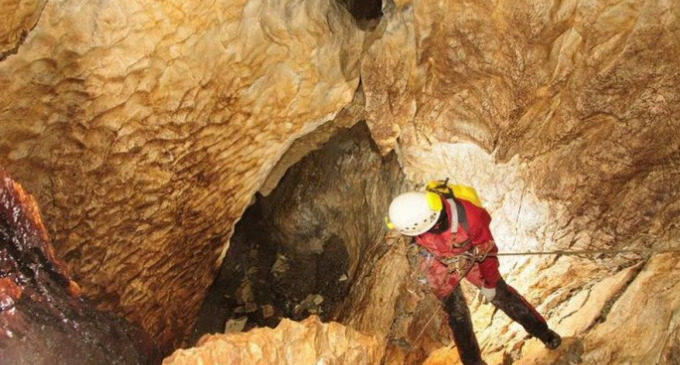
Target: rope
{"type": "Point", "coordinates": [587, 252]}
{"type": "Point", "coordinates": [422, 330]}
{"type": "Point", "coordinates": [556, 252]}
{"type": "Point", "coordinates": [434, 313]}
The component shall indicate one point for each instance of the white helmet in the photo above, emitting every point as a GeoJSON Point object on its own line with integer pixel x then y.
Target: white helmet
{"type": "Point", "coordinates": [414, 213]}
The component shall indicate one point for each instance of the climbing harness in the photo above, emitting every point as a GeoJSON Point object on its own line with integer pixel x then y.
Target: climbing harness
{"type": "Point", "coordinates": [434, 314]}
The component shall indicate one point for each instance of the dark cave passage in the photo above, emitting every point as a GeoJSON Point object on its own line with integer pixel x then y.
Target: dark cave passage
{"type": "Point", "coordinates": [296, 251]}
{"type": "Point", "coordinates": [262, 281]}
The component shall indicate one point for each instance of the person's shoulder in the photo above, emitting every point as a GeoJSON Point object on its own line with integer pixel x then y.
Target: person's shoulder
{"type": "Point", "coordinates": [475, 213]}
{"type": "Point", "coordinates": [471, 207]}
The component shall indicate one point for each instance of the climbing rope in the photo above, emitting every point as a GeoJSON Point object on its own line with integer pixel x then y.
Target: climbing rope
{"type": "Point", "coordinates": [556, 252]}
{"type": "Point", "coordinates": [589, 252]}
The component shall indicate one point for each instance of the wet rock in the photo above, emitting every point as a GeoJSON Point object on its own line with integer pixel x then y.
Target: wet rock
{"type": "Point", "coordinates": [44, 319]}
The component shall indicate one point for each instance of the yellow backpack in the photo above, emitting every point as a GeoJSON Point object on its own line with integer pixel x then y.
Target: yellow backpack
{"type": "Point", "coordinates": [454, 193]}
{"type": "Point", "coordinates": [463, 192]}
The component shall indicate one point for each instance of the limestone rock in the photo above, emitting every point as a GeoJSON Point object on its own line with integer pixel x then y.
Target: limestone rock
{"type": "Point", "coordinates": [312, 244]}
{"type": "Point", "coordinates": [562, 115]}
{"type": "Point", "coordinates": [646, 313]}
{"type": "Point", "coordinates": [235, 325]}
{"type": "Point", "coordinates": [307, 342]}
{"type": "Point", "coordinates": [346, 118]}
{"type": "Point", "coordinates": [145, 127]}
{"type": "Point", "coordinates": [17, 18]}
{"type": "Point", "coordinates": [389, 76]}
{"type": "Point", "coordinates": [589, 306]}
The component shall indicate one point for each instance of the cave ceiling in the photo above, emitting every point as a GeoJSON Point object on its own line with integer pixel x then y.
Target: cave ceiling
{"type": "Point", "coordinates": [144, 128]}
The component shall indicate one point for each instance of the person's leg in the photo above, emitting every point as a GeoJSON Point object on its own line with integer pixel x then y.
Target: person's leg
{"type": "Point", "coordinates": [461, 326]}
{"type": "Point", "coordinates": [519, 310]}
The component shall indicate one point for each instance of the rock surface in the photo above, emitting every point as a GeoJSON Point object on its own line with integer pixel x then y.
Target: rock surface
{"type": "Point", "coordinates": [43, 317]}
{"type": "Point", "coordinates": [293, 343]}
{"type": "Point", "coordinates": [144, 129]}
{"type": "Point", "coordinates": [18, 17]}
{"type": "Point", "coordinates": [303, 246]}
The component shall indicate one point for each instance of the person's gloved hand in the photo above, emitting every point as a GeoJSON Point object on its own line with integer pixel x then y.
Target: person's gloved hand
{"type": "Point", "coordinates": [488, 293]}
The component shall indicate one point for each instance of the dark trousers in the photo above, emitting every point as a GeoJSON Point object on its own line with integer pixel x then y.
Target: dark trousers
{"type": "Point", "coordinates": [509, 301]}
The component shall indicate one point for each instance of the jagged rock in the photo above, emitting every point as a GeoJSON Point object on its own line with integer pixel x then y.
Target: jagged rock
{"type": "Point", "coordinates": [294, 343]}
{"type": "Point", "coordinates": [267, 311]}
{"type": "Point", "coordinates": [250, 307]}
{"type": "Point", "coordinates": [280, 266]}
{"type": "Point", "coordinates": [645, 313]}
{"type": "Point", "coordinates": [590, 305]}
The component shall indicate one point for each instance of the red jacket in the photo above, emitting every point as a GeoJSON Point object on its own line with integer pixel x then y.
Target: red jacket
{"type": "Point", "coordinates": [484, 273]}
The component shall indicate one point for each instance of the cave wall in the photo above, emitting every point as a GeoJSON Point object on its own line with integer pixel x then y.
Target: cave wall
{"type": "Point", "coordinates": [17, 19]}
{"type": "Point", "coordinates": [563, 114]}
{"type": "Point", "coordinates": [143, 128]}
{"type": "Point", "coordinates": [341, 190]}
{"type": "Point", "coordinates": [44, 318]}
{"type": "Point", "coordinates": [306, 247]}
{"type": "Point", "coordinates": [584, 93]}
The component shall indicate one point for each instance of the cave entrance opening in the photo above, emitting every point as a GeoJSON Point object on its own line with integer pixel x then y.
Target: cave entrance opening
{"type": "Point", "coordinates": [296, 251]}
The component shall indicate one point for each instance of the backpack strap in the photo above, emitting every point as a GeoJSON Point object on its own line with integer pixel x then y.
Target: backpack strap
{"type": "Point", "coordinates": [462, 217]}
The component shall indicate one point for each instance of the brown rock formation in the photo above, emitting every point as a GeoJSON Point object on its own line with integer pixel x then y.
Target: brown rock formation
{"type": "Point", "coordinates": [305, 342]}
{"type": "Point", "coordinates": [16, 20]}
{"type": "Point", "coordinates": [305, 241]}
{"type": "Point", "coordinates": [144, 129]}
{"type": "Point", "coordinates": [43, 318]}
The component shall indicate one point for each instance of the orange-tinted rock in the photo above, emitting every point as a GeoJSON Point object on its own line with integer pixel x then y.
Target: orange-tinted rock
{"type": "Point", "coordinates": [17, 18]}
{"type": "Point", "coordinates": [293, 343]}
{"type": "Point", "coordinates": [43, 319]}
{"type": "Point", "coordinates": [145, 127]}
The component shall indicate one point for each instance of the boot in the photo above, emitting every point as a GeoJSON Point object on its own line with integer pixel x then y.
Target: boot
{"type": "Point", "coordinates": [551, 340]}
{"type": "Point", "coordinates": [519, 310]}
